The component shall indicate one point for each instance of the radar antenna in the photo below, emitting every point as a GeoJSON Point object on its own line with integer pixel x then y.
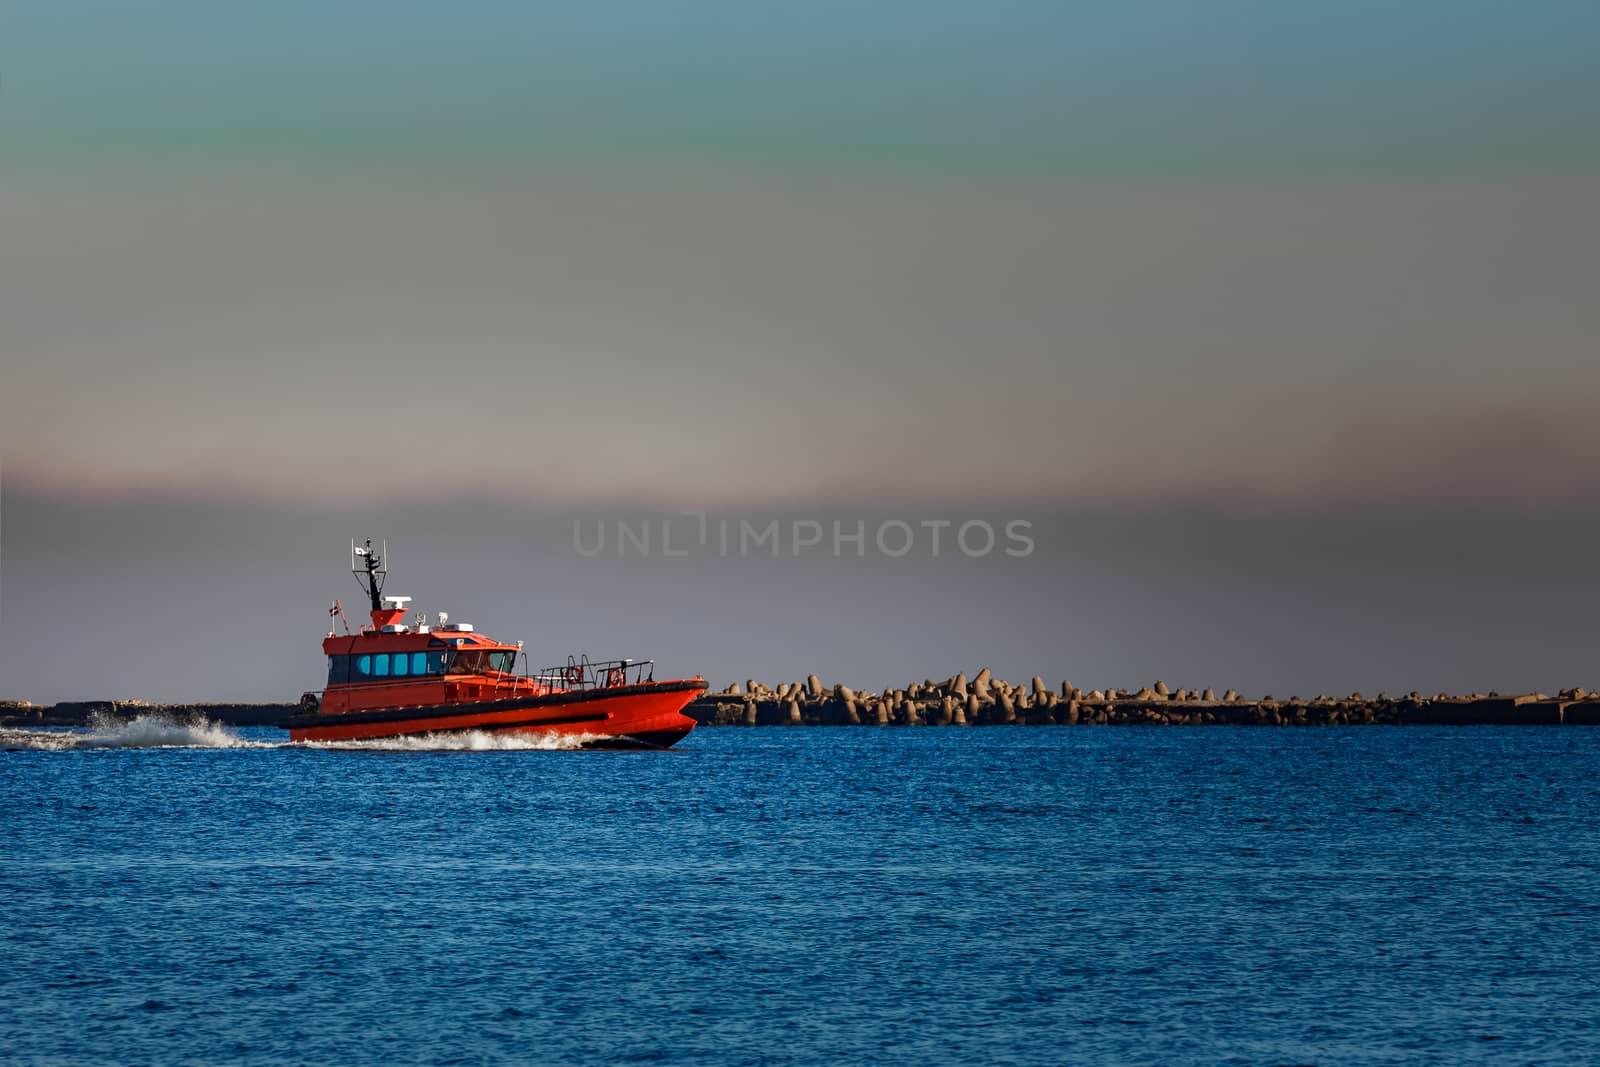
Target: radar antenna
{"type": "Point", "coordinates": [367, 565]}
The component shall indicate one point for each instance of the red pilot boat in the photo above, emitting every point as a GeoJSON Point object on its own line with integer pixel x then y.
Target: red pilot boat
{"type": "Point", "coordinates": [390, 679]}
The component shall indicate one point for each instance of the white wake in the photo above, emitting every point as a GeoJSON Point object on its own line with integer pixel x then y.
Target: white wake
{"type": "Point", "coordinates": [464, 741]}
{"type": "Point", "coordinates": [157, 731]}
{"type": "Point", "coordinates": [142, 731]}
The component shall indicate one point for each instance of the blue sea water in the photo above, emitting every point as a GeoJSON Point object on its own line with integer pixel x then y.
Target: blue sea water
{"type": "Point", "coordinates": [1160, 895]}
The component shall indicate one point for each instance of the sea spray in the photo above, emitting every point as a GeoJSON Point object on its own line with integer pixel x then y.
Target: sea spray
{"type": "Point", "coordinates": [150, 731]}
{"type": "Point", "coordinates": [159, 731]}
{"type": "Point", "coordinates": [463, 741]}
{"type": "Point", "coordinates": [109, 731]}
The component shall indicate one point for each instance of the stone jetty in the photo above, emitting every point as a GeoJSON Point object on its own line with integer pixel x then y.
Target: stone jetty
{"type": "Point", "coordinates": [80, 712]}
{"type": "Point", "coordinates": [982, 700]}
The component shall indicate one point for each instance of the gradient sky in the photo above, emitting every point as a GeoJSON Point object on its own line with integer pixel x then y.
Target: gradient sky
{"type": "Point", "coordinates": [1111, 265]}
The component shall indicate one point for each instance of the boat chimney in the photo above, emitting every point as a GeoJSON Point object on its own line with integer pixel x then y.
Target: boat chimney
{"type": "Point", "coordinates": [391, 613]}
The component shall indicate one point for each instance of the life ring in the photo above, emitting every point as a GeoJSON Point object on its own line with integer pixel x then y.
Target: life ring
{"type": "Point", "coordinates": [574, 673]}
{"type": "Point", "coordinates": [614, 677]}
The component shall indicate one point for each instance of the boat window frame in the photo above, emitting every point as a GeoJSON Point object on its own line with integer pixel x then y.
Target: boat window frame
{"type": "Point", "coordinates": [431, 662]}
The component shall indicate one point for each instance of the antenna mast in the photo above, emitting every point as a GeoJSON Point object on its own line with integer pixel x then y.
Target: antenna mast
{"type": "Point", "coordinates": [369, 570]}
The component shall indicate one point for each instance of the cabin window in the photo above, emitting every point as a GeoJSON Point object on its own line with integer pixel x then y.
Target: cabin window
{"type": "Point", "coordinates": [475, 661]}
{"type": "Point", "coordinates": [345, 669]}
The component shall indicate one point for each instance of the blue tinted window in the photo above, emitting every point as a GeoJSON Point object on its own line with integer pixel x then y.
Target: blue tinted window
{"type": "Point", "coordinates": [400, 659]}
{"type": "Point", "coordinates": [364, 664]}
{"type": "Point", "coordinates": [436, 662]}
{"type": "Point", "coordinates": [419, 663]}
{"type": "Point", "coordinates": [381, 663]}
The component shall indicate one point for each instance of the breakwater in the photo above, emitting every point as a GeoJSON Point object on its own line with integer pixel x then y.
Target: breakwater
{"type": "Point", "coordinates": [985, 700]}
{"type": "Point", "coordinates": [81, 712]}
{"type": "Point", "coordinates": [982, 700]}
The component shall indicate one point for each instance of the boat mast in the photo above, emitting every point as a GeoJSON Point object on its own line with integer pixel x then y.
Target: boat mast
{"type": "Point", "coordinates": [369, 570]}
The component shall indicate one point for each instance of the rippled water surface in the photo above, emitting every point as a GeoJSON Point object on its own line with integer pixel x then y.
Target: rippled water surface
{"type": "Point", "coordinates": [808, 895]}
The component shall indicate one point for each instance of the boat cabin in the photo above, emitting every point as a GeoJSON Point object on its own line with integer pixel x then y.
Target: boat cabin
{"type": "Point", "coordinates": [388, 664]}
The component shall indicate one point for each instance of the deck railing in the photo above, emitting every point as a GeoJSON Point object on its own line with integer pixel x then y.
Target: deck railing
{"type": "Point", "coordinates": [584, 673]}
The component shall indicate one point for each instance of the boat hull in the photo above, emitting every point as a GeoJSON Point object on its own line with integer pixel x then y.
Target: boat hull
{"type": "Point", "coordinates": [647, 715]}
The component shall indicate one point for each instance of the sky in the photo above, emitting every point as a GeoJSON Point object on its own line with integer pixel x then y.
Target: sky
{"type": "Point", "coordinates": [1275, 320]}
